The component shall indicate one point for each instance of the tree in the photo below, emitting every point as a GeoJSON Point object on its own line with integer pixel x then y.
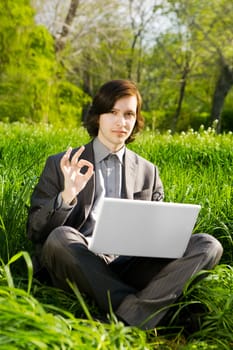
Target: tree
{"type": "Point", "coordinates": [178, 51]}
{"type": "Point", "coordinates": [32, 82]}
{"type": "Point", "coordinates": [209, 25]}
{"type": "Point", "coordinates": [142, 18]}
{"type": "Point", "coordinates": [96, 34]}
{"type": "Point", "coordinates": [178, 54]}
{"type": "Point", "coordinates": [61, 39]}
{"type": "Point", "coordinates": [107, 39]}
{"type": "Point", "coordinates": [19, 39]}
{"type": "Point", "coordinates": [222, 87]}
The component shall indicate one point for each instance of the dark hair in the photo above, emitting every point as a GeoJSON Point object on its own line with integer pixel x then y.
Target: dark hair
{"type": "Point", "coordinates": [105, 100]}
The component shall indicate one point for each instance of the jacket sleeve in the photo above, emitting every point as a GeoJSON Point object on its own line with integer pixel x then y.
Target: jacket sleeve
{"type": "Point", "coordinates": [158, 190]}
{"type": "Point", "coordinates": [47, 211]}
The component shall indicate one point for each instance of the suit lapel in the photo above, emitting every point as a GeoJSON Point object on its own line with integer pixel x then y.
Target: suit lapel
{"type": "Point", "coordinates": [86, 196]}
{"type": "Point", "coordinates": [130, 173]}
{"type": "Point", "coordinates": [89, 190]}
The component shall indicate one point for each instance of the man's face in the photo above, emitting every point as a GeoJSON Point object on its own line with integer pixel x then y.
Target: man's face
{"type": "Point", "coordinates": [117, 125]}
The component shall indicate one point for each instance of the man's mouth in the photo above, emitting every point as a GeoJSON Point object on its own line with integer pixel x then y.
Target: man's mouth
{"type": "Point", "coordinates": [122, 132]}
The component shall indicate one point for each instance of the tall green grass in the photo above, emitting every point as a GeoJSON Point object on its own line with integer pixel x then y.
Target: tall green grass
{"type": "Point", "coordinates": [197, 167]}
{"type": "Point", "coordinates": [27, 323]}
{"type": "Point", "coordinates": [194, 167]}
{"type": "Point", "coordinates": [215, 292]}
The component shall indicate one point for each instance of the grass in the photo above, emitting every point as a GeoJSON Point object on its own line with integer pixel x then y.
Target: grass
{"type": "Point", "coordinates": [195, 167]}
{"type": "Point", "coordinates": [26, 324]}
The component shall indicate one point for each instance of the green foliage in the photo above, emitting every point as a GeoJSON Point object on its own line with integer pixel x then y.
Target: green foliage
{"type": "Point", "coordinates": [36, 87]}
{"type": "Point", "coordinates": [28, 324]}
{"type": "Point", "coordinates": [33, 86]}
{"type": "Point", "coordinates": [215, 293]}
{"type": "Point", "coordinates": [70, 102]}
{"type": "Point", "coordinates": [27, 52]}
{"type": "Point", "coordinates": [192, 52]}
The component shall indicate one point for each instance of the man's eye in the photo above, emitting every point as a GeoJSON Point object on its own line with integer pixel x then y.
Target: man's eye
{"type": "Point", "coordinates": [130, 115]}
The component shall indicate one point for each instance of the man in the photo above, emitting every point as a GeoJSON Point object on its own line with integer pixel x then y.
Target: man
{"type": "Point", "coordinates": [63, 213]}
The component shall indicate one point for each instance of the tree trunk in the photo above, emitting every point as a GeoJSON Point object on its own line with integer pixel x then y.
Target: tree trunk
{"type": "Point", "coordinates": [61, 40]}
{"type": "Point", "coordinates": [222, 87]}
{"type": "Point", "coordinates": [130, 60]}
{"type": "Point", "coordinates": [181, 96]}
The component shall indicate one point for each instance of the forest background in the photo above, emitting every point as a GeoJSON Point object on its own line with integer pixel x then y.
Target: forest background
{"type": "Point", "coordinates": [55, 54]}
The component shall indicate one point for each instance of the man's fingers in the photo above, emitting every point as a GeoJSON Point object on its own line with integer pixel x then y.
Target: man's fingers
{"type": "Point", "coordinates": [84, 163]}
{"type": "Point", "coordinates": [89, 172]}
{"type": "Point", "coordinates": [66, 157]}
{"type": "Point", "coordinates": [89, 168]}
{"type": "Point", "coordinates": [77, 154]}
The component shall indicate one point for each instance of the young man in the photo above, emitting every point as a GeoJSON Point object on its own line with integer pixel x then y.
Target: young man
{"type": "Point", "coordinates": [63, 212]}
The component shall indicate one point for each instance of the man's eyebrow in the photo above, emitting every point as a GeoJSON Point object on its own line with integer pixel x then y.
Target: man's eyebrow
{"type": "Point", "coordinates": [130, 110]}
{"type": "Point", "coordinates": [126, 111]}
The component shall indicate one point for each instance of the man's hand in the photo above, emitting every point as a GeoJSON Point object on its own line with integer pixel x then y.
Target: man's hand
{"type": "Point", "coordinates": [74, 180]}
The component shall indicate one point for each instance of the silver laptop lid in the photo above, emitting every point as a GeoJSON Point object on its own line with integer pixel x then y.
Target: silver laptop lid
{"type": "Point", "coordinates": [143, 228]}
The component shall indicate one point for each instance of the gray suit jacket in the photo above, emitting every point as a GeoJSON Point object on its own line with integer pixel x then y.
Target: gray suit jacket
{"type": "Point", "coordinates": [141, 181]}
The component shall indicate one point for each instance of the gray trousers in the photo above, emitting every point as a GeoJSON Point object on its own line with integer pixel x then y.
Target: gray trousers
{"type": "Point", "coordinates": [140, 289]}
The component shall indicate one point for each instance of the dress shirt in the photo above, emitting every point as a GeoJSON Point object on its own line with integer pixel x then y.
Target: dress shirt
{"type": "Point", "coordinates": [108, 176]}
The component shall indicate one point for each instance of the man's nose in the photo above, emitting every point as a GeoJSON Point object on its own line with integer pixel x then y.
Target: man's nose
{"type": "Point", "coordinates": [120, 119]}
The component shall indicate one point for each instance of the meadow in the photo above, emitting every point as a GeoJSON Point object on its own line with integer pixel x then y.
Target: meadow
{"type": "Point", "coordinates": [195, 167]}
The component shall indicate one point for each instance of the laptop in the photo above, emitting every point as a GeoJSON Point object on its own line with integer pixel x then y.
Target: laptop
{"type": "Point", "coordinates": [143, 228]}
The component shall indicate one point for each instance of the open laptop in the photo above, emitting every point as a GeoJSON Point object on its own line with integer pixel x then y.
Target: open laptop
{"type": "Point", "coordinates": [143, 228]}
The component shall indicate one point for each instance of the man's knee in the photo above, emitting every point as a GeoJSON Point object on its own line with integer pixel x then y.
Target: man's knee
{"type": "Point", "coordinates": [208, 245]}
{"type": "Point", "coordinates": [64, 235]}
{"type": "Point", "coordinates": [59, 243]}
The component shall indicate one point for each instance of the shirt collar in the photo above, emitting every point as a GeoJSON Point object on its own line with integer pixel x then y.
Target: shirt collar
{"type": "Point", "coordinates": [101, 151]}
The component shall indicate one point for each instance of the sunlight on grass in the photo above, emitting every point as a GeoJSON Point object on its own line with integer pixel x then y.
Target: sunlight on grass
{"type": "Point", "coordinates": [27, 324]}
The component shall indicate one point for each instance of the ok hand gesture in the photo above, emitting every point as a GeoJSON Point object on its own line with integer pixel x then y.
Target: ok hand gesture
{"type": "Point", "coordinates": [74, 180]}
